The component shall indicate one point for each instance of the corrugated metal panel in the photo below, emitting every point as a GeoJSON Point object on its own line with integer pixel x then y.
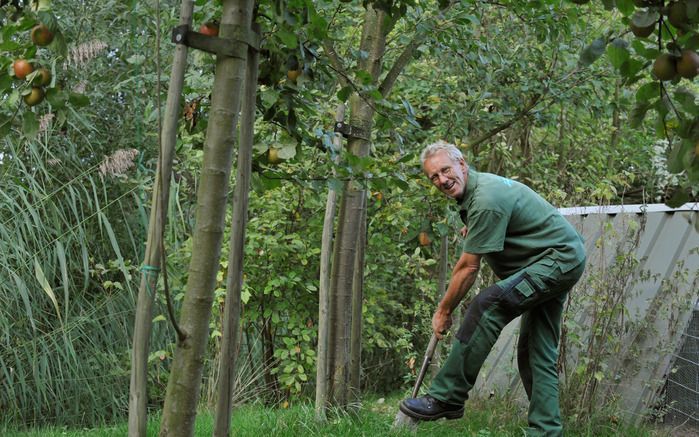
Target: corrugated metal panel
{"type": "Point", "coordinates": [648, 257]}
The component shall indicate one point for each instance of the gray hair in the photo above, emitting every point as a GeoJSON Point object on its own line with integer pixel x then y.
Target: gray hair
{"type": "Point", "coordinates": [432, 149]}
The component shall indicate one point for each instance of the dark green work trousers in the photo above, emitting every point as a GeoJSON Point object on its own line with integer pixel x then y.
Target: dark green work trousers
{"type": "Point", "coordinates": [538, 294]}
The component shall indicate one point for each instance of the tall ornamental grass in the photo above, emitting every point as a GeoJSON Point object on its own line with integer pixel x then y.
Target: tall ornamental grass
{"type": "Point", "coordinates": [69, 235]}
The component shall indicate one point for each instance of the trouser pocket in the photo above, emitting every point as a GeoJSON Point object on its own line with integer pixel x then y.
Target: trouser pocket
{"type": "Point", "coordinates": [537, 283]}
{"type": "Point", "coordinates": [522, 290]}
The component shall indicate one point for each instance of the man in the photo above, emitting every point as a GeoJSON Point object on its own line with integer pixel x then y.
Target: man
{"type": "Point", "coordinates": [538, 257]}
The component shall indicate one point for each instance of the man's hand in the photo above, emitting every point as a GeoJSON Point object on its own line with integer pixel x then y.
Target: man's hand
{"type": "Point", "coordinates": [464, 231]}
{"type": "Point", "coordinates": [441, 322]}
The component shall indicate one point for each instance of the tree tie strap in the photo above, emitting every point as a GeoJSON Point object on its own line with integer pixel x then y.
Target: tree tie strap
{"type": "Point", "coordinates": [349, 131]}
{"type": "Point", "coordinates": [150, 269]}
{"type": "Point", "coordinates": [229, 46]}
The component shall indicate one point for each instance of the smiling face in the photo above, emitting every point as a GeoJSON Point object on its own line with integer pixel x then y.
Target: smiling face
{"type": "Point", "coordinates": [447, 174]}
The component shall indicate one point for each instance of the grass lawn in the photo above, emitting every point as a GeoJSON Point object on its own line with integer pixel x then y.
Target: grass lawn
{"type": "Point", "coordinates": [483, 418]}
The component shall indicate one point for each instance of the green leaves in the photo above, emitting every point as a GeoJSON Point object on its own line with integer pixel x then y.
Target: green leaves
{"type": "Point", "coordinates": [609, 4]}
{"type": "Point", "coordinates": [344, 93]}
{"type": "Point", "coordinates": [318, 26]}
{"type": "Point", "coordinates": [78, 100]}
{"type": "Point", "coordinates": [687, 100]}
{"type": "Point", "coordinates": [692, 9]}
{"type": "Point", "coordinates": [592, 52]}
{"type": "Point", "coordinates": [30, 125]}
{"type": "Point", "coordinates": [647, 92]}
{"type": "Point", "coordinates": [679, 198]}
{"type": "Point", "coordinates": [288, 38]}
{"type": "Point", "coordinates": [9, 45]}
{"type": "Point", "coordinates": [41, 278]}
{"type": "Point", "coordinates": [617, 52]}
{"type": "Point", "coordinates": [286, 151]}
{"type": "Point", "coordinates": [364, 77]}
{"type": "Point", "coordinates": [643, 50]}
{"type": "Point", "coordinates": [680, 156]}
{"type": "Point", "coordinates": [645, 17]}
{"type": "Point", "coordinates": [626, 7]}
{"type": "Point", "coordinates": [4, 125]}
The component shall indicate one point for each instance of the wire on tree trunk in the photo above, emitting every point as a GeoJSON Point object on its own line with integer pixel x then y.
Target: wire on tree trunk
{"type": "Point", "coordinates": [181, 336]}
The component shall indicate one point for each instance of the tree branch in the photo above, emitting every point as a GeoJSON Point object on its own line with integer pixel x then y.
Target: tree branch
{"type": "Point", "coordinates": [521, 114]}
{"type": "Point", "coordinates": [405, 57]}
{"type": "Point", "coordinates": [335, 62]}
{"type": "Point", "coordinates": [343, 77]}
{"type": "Point", "coordinates": [535, 100]}
{"type": "Point", "coordinates": [400, 64]}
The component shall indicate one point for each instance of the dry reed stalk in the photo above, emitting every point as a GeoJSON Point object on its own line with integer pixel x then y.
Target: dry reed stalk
{"type": "Point", "coordinates": [118, 162]}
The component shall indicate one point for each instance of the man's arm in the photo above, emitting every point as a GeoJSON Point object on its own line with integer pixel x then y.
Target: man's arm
{"type": "Point", "coordinates": [462, 278]}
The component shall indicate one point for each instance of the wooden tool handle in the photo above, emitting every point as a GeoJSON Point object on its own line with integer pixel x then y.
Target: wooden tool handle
{"type": "Point", "coordinates": [429, 353]}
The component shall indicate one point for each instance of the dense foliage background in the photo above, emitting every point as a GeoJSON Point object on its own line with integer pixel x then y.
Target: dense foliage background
{"type": "Point", "coordinates": [503, 80]}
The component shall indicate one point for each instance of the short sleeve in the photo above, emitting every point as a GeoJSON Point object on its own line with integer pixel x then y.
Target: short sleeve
{"type": "Point", "coordinates": [486, 232]}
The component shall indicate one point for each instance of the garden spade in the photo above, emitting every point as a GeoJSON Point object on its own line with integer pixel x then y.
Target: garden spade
{"type": "Point", "coordinates": [402, 419]}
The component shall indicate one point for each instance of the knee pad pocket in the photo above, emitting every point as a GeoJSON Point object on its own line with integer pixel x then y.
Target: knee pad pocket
{"type": "Point", "coordinates": [518, 293]}
{"type": "Point", "coordinates": [480, 304]}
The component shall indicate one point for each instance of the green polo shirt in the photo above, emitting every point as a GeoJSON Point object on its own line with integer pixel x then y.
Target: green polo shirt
{"type": "Point", "coordinates": [513, 227]}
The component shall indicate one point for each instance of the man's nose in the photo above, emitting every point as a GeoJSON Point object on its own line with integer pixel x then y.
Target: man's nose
{"type": "Point", "coordinates": [443, 179]}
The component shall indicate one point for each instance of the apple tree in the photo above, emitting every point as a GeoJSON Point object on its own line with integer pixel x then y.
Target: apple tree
{"type": "Point", "coordinates": [653, 46]}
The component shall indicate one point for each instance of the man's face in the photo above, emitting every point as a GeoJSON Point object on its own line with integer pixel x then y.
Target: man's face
{"type": "Point", "coordinates": [446, 174]}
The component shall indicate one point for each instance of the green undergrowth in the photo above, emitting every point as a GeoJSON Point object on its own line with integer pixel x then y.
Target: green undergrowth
{"type": "Point", "coordinates": [483, 418]}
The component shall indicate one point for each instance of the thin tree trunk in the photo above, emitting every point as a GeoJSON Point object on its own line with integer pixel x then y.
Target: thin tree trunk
{"type": "Point", "coordinates": [325, 254]}
{"type": "Point", "coordinates": [373, 43]}
{"type": "Point", "coordinates": [494, 161]}
{"type": "Point", "coordinates": [562, 158]}
{"type": "Point", "coordinates": [183, 389]}
{"type": "Point", "coordinates": [526, 148]}
{"type": "Point", "coordinates": [138, 394]}
{"type": "Point", "coordinates": [441, 289]}
{"type": "Point", "coordinates": [616, 126]}
{"type": "Point", "coordinates": [341, 296]}
{"type": "Point", "coordinates": [234, 282]}
{"type": "Point", "coordinates": [269, 362]}
{"type": "Point", "coordinates": [357, 298]}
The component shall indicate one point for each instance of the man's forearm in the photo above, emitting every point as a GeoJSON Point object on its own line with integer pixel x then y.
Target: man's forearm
{"type": "Point", "coordinates": [462, 278]}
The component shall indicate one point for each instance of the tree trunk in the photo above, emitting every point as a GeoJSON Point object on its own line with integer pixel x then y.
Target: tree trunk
{"type": "Point", "coordinates": [562, 158]}
{"type": "Point", "coordinates": [357, 298]}
{"type": "Point", "coordinates": [616, 126]}
{"type": "Point", "coordinates": [341, 296]}
{"type": "Point", "coordinates": [325, 254]}
{"type": "Point", "coordinates": [373, 42]}
{"type": "Point", "coordinates": [441, 289]}
{"type": "Point", "coordinates": [234, 281]}
{"type": "Point", "coordinates": [183, 389]}
{"type": "Point", "coordinates": [268, 360]}
{"type": "Point", "coordinates": [526, 148]}
{"type": "Point", "coordinates": [138, 395]}
{"type": "Point", "coordinates": [361, 116]}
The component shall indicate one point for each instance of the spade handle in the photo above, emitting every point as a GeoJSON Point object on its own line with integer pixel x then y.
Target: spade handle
{"type": "Point", "coordinates": [425, 363]}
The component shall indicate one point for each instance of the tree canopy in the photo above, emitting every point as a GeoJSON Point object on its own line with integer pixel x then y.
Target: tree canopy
{"type": "Point", "coordinates": [589, 103]}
